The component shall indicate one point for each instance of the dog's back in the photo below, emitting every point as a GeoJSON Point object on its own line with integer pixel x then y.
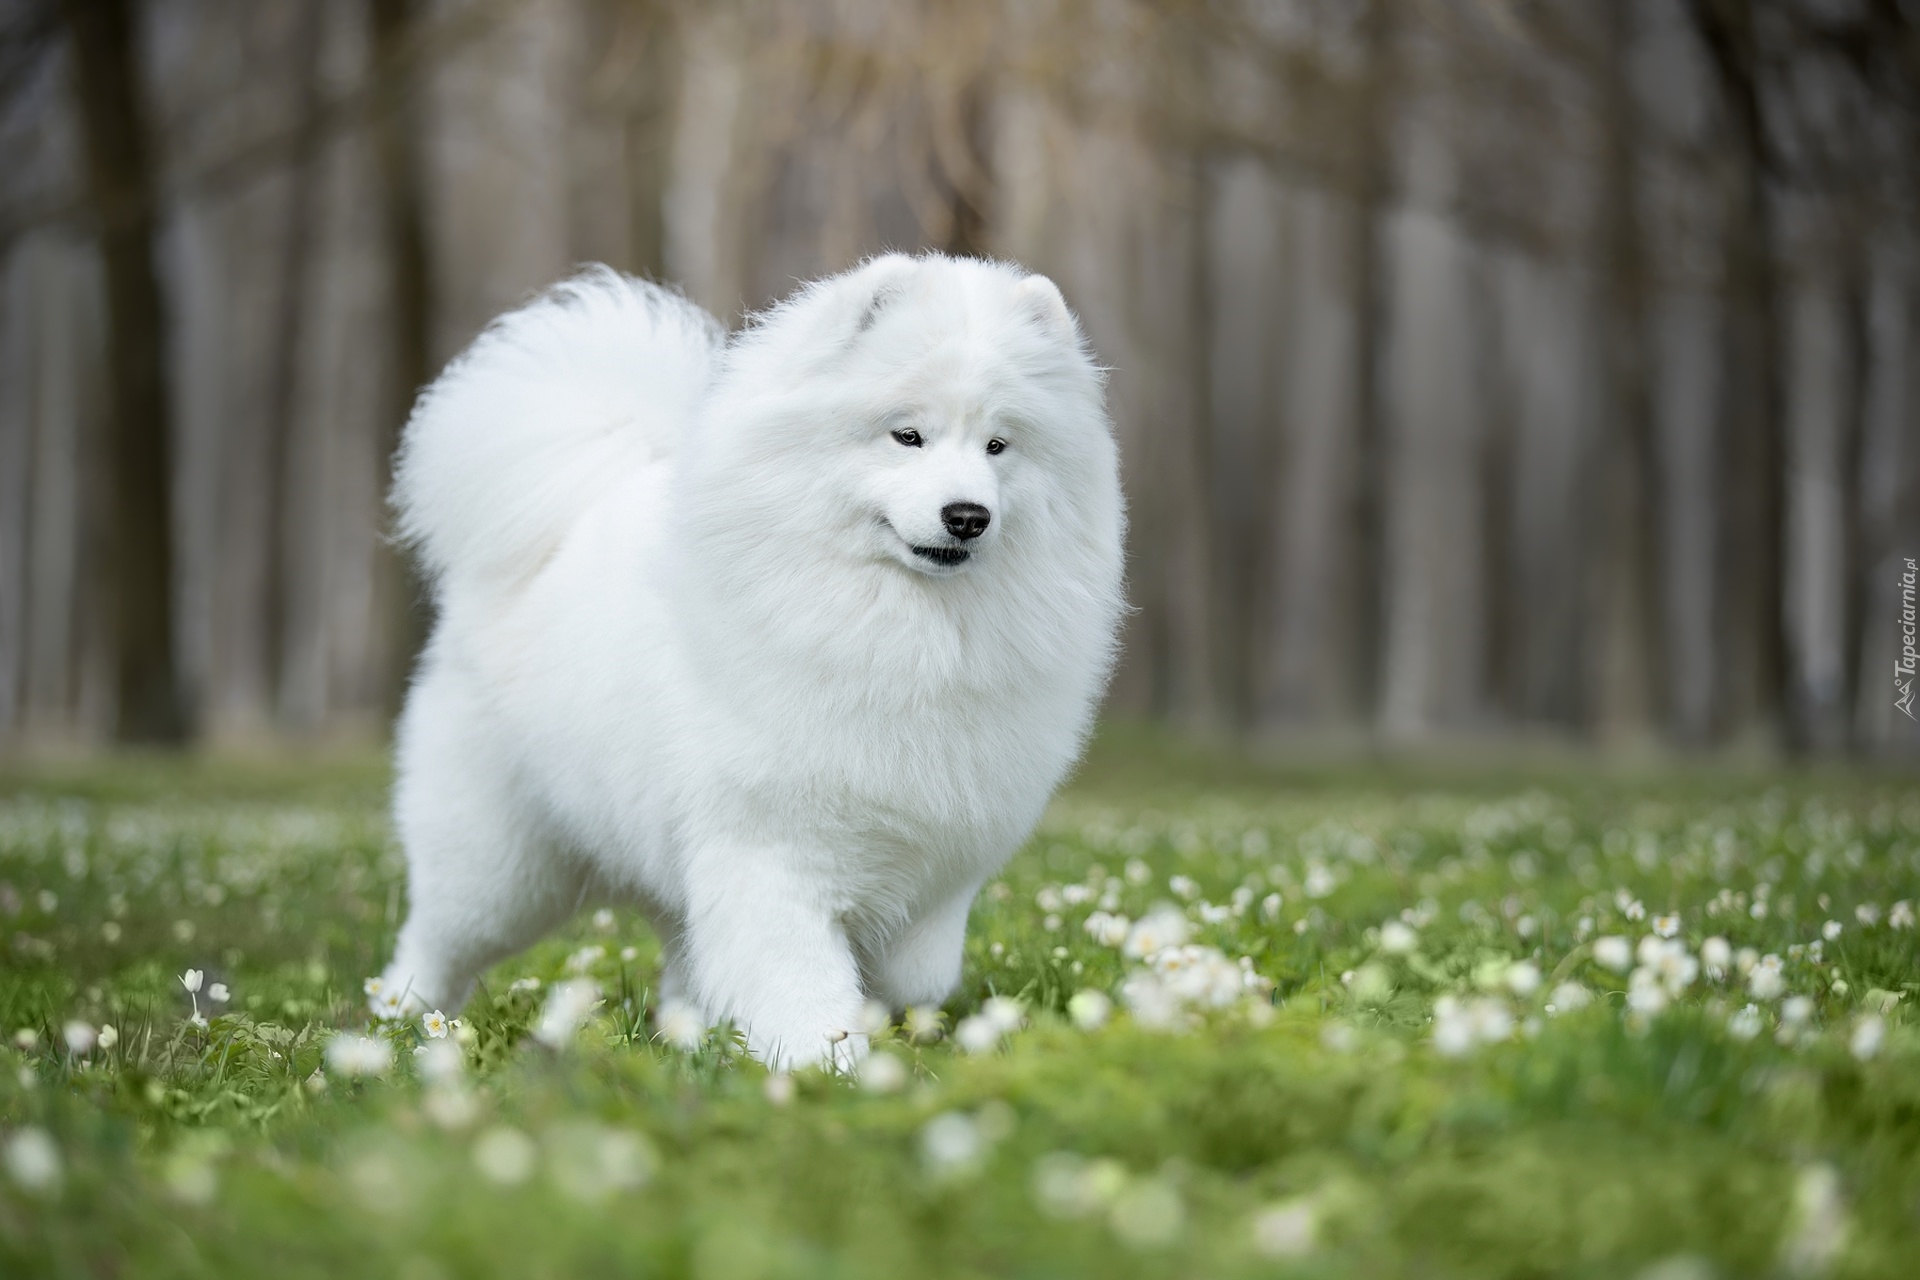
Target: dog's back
{"type": "Point", "coordinates": [551, 406]}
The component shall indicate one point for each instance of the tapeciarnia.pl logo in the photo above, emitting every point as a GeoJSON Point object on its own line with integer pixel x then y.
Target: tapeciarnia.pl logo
{"type": "Point", "coordinates": [1909, 659]}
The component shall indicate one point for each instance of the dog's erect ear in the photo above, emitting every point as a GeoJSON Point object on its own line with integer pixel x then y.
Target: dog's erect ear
{"type": "Point", "coordinates": [1041, 299]}
{"type": "Point", "coordinates": [879, 283]}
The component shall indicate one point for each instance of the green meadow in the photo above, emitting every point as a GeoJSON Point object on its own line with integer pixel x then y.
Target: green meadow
{"type": "Point", "coordinates": [1220, 1018]}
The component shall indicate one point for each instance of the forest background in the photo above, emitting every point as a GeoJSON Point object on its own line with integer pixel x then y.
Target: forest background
{"type": "Point", "coordinates": [1486, 371]}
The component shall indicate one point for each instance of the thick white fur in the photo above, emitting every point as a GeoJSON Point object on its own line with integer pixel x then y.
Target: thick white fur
{"type": "Point", "coordinates": [687, 657]}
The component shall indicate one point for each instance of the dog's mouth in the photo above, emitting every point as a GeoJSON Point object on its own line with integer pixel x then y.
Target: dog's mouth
{"type": "Point", "coordinates": [943, 555]}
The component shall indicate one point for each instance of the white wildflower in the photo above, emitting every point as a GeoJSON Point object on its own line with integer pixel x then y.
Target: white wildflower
{"type": "Point", "coordinates": [451, 1106]}
{"type": "Point", "coordinates": [1162, 927]}
{"type": "Point", "coordinates": [1818, 1230]}
{"type": "Point", "coordinates": [1371, 984]}
{"type": "Point", "coordinates": [1667, 926]}
{"type": "Point", "coordinates": [1766, 982]}
{"type": "Point", "coordinates": [505, 1155]}
{"type": "Point", "coordinates": [583, 960]}
{"type": "Point", "coordinates": [1459, 1026]}
{"type": "Point", "coordinates": [1716, 953]}
{"type": "Point", "coordinates": [1270, 906]}
{"type": "Point", "coordinates": [1148, 1214]}
{"type": "Point", "coordinates": [1900, 915]}
{"type": "Point", "coordinates": [1183, 887]}
{"type": "Point", "coordinates": [389, 1006]}
{"type": "Point", "coordinates": [568, 1007]}
{"type": "Point", "coordinates": [1868, 1032]}
{"type": "Point", "coordinates": [590, 1161]}
{"type": "Point", "coordinates": [1005, 1013]}
{"type": "Point", "coordinates": [680, 1025]}
{"type": "Point", "coordinates": [1567, 997]}
{"type": "Point", "coordinates": [357, 1055]}
{"type": "Point", "coordinates": [1671, 963]}
{"type": "Point", "coordinates": [1613, 952]}
{"type": "Point", "coordinates": [80, 1037]}
{"type": "Point", "coordinates": [108, 1037]}
{"type": "Point", "coordinates": [977, 1034]}
{"type": "Point", "coordinates": [1523, 979]}
{"type": "Point", "coordinates": [192, 979]}
{"type": "Point", "coordinates": [603, 920]}
{"type": "Point", "coordinates": [779, 1089]}
{"type": "Point", "coordinates": [1398, 939]}
{"type": "Point", "coordinates": [1645, 993]}
{"type": "Point", "coordinates": [883, 1072]}
{"type": "Point", "coordinates": [1089, 1009]}
{"type": "Point", "coordinates": [1796, 1011]}
{"type": "Point", "coordinates": [1151, 1002]}
{"type": "Point", "coordinates": [951, 1144]}
{"type": "Point", "coordinates": [1867, 913]}
{"type": "Point", "coordinates": [441, 1061]}
{"type": "Point", "coordinates": [1107, 929]}
{"type": "Point", "coordinates": [1830, 931]}
{"type": "Point", "coordinates": [218, 993]}
{"type": "Point", "coordinates": [1069, 1187]}
{"type": "Point", "coordinates": [1288, 1229]}
{"type": "Point", "coordinates": [33, 1160]}
{"type": "Point", "coordinates": [435, 1025]}
{"type": "Point", "coordinates": [1745, 1023]}
{"type": "Point", "coordinates": [1319, 881]}
{"type": "Point", "coordinates": [925, 1022]}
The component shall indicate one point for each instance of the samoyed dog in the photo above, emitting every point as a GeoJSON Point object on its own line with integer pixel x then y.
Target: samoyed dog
{"type": "Point", "coordinates": [784, 640]}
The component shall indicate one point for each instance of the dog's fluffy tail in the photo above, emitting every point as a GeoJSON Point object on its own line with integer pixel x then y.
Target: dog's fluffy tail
{"type": "Point", "coordinates": [548, 409]}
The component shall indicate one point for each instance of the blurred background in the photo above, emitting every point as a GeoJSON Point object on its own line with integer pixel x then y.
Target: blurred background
{"type": "Point", "coordinates": [1485, 371]}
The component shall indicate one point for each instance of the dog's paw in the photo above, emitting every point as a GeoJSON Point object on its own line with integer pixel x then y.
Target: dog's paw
{"type": "Point", "coordinates": [840, 1051]}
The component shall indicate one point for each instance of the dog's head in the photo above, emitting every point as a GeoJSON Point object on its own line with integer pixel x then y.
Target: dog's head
{"type": "Point", "coordinates": [917, 437]}
{"type": "Point", "coordinates": [932, 414]}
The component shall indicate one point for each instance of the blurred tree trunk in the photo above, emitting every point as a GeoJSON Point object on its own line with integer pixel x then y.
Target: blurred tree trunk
{"type": "Point", "coordinates": [296, 252]}
{"type": "Point", "coordinates": [1750, 552]}
{"type": "Point", "coordinates": [962, 170]}
{"type": "Point", "coordinates": [1502, 625]}
{"type": "Point", "coordinates": [649, 140]}
{"type": "Point", "coordinates": [1831, 719]}
{"type": "Point", "coordinates": [113, 120]}
{"type": "Point", "coordinates": [402, 604]}
{"type": "Point", "coordinates": [1628, 672]}
{"type": "Point", "coordinates": [1372, 157]}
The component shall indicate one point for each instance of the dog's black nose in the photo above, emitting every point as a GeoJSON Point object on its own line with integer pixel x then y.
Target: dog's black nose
{"type": "Point", "coordinates": [966, 519]}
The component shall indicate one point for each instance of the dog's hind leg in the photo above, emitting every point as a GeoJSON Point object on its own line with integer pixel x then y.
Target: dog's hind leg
{"type": "Point", "coordinates": [482, 881]}
{"type": "Point", "coordinates": [922, 965]}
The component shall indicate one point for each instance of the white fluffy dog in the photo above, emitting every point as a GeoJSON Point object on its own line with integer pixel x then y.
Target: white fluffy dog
{"type": "Point", "coordinates": [785, 639]}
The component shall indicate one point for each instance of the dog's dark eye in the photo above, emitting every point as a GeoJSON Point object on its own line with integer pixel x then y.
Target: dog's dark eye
{"type": "Point", "coordinates": [996, 445]}
{"type": "Point", "coordinates": [909, 438]}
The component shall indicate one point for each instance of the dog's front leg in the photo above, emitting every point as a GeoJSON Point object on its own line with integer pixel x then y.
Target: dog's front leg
{"type": "Point", "coordinates": [765, 949]}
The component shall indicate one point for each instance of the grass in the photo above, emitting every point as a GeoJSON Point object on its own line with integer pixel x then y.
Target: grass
{"type": "Point", "coordinates": [1390, 1096]}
